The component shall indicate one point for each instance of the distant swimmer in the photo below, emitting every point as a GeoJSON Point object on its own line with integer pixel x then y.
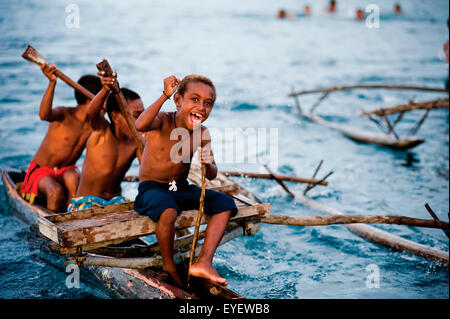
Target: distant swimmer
{"type": "Point", "coordinates": [282, 14]}
{"type": "Point", "coordinates": [307, 11]}
{"type": "Point", "coordinates": [332, 7]}
{"type": "Point", "coordinates": [398, 8]}
{"type": "Point", "coordinates": [359, 14]}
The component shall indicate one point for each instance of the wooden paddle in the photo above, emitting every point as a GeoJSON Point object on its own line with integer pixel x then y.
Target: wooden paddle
{"type": "Point", "coordinates": [32, 55]}
{"type": "Point", "coordinates": [123, 106]}
{"type": "Point", "coordinates": [199, 217]}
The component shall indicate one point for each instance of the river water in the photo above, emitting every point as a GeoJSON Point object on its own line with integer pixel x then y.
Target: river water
{"type": "Point", "coordinates": [254, 59]}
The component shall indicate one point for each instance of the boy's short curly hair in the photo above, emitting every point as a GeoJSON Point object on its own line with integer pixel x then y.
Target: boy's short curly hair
{"type": "Point", "coordinates": [90, 82]}
{"type": "Point", "coordinates": [195, 78]}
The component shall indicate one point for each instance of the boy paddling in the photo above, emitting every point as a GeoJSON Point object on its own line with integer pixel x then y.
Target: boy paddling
{"type": "Point", "coordinates": [110, 149]}
{"type": "Point", "coordinates": [164, 191]}
{"type": "Point", "coordinates": [53, 172]}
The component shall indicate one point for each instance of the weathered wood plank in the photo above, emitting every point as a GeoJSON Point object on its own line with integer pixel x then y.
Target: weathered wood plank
{"type": "Point", "coordinates": [48, 229]}
{"type": "Point", "coordinates": [122, 225]}
{"type": "Point", "coordinates": [90, 212]}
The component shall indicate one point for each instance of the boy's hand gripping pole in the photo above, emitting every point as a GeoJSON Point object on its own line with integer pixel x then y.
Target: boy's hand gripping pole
{"type": "Point", "coordinates": [123, 106]}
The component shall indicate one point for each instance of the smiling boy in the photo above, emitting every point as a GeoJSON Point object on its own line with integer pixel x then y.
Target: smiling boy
{"type": "Point", "coordinates": [164, 191]}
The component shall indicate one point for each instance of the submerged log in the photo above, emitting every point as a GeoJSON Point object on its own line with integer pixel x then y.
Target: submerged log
{"type": "Point", "coordinates": [426, 105]}
{"type": "Point", "coordinates": [353, 219]}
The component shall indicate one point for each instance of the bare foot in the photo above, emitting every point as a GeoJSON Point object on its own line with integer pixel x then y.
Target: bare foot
{"type": "Point", "coordinates": [175, 277]}
{"type": "Point", "coordinates": [207, 271]}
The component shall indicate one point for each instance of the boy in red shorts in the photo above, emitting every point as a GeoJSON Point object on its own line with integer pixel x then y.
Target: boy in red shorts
{"type": "Point", "coordinates": [52, 172]}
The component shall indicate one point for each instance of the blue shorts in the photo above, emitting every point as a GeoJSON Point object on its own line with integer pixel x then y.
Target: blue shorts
{"type": "Point", "coordinates": [85, 202]}
{"type": "Point", "coordinates": [154, 198]}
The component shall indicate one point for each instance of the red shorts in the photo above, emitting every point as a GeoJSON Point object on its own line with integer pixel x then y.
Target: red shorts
{"type": "Point", "coordinates": [34, 175]}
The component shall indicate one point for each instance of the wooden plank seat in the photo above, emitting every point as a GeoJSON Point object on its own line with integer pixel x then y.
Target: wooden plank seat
{"type": "Point", "coordinates": [101, 226]}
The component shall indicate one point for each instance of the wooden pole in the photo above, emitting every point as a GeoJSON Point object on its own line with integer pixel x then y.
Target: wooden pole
{"type": "Point", "coordinates": [353, 219]}
{"type": "Point", "coordinates": [426, 105]}
{"type": "Point", "coordinates": [199, 217]}
{"type": "Point", "coordinates": [123, 106]}
{"type": "Point", "coordinates": [271, 176]}
{"type": "Point", "coordinates": [351, 87]}
{"type": "Point", "coordinates": [32, 55]}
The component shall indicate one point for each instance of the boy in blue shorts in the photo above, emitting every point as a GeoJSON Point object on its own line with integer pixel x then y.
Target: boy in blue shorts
{"type": "Point", "coordinates": [164, 192]}
{"type": "Point", "coordinates": [110, 149]}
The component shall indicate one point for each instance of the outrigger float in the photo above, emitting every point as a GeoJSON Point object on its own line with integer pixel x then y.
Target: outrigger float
{"type": "Point", "coordinates": [389, 137]}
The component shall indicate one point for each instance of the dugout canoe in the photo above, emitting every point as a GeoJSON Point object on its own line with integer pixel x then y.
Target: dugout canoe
{"type": "Point", "coordinates": [367, 137]}
{"type": "Point", "coordinates": [148, 283]}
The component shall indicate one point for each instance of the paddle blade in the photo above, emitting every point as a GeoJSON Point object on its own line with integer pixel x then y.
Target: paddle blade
{"type": "Point", "coordinates": [32, 55]}
{"type": "Point", "coordinates": [104, 66]}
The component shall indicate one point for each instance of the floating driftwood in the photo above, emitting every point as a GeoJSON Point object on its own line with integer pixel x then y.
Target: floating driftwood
{"type": "Point", "coordinates": [389, 138]}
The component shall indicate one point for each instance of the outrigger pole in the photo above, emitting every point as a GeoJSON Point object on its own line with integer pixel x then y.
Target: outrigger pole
{"type": "Point", "coordinates": [355, 224]}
